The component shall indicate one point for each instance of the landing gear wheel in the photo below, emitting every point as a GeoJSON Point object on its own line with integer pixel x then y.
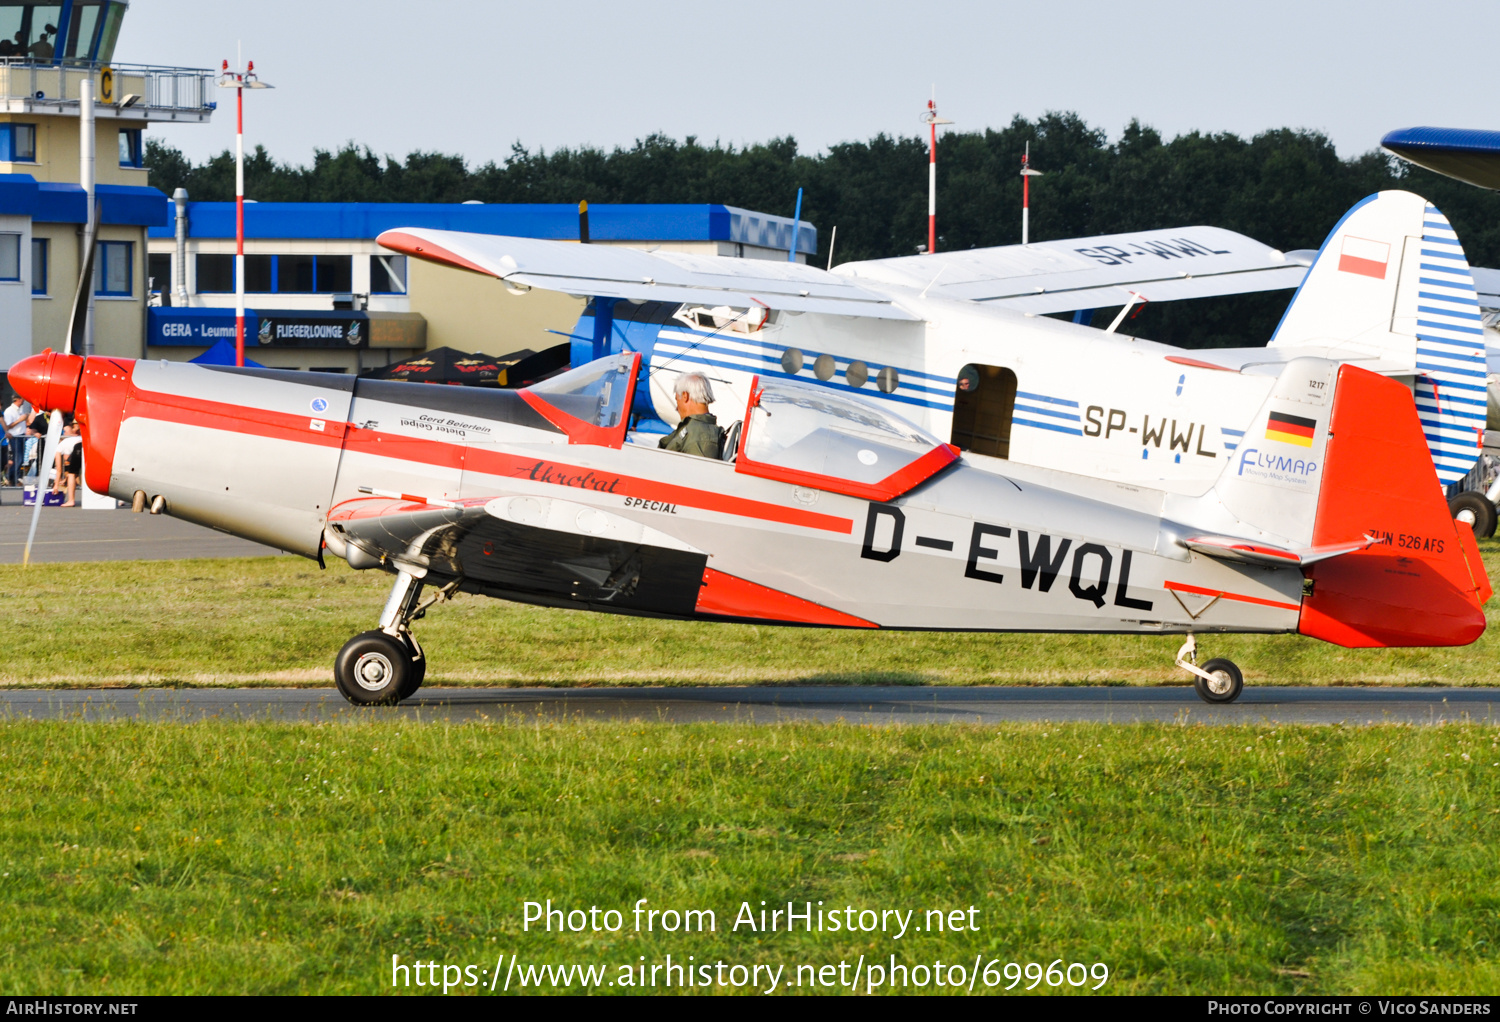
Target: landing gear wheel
{"type": "Point", "coordinates": [1227, 683]}
{"type": "Point", "coordinates": [1475, 508]}
{"type": "Point", "coordinates": [416, 667]}
{"type": "Point", "coordinates": [374, 669]}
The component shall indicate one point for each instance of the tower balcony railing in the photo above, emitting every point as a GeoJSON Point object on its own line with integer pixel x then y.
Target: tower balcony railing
{"type": "Point", "coordinates": [28, 85]}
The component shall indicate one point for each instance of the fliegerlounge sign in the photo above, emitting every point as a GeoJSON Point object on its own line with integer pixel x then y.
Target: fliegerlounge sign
{"type": "Point", "coordinates": [264, 328]}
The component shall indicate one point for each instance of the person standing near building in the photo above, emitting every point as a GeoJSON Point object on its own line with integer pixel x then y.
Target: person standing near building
{"type": "Point", "coordinates": [68, 464]}
{"type": "Point", "coordinates": [17, 416]}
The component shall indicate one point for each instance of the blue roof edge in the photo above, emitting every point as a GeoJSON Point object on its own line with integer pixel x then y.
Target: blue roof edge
{"type": "Point", "coordinates": [67, 203]}
{"type": "Point", "coordinates": [555, 221]}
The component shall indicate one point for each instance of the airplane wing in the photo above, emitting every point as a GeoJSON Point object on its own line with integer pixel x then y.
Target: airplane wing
{"type": "Point", "coordinates": [609, 271]}
{"type": "Point", "coordinates": [1088, 273]}
{"type": "Point", "coordinates": [554, 550]}
{"type": "Point", "coordinates": [1053, 276]}
{"type": "Point", "coordinates": [1466, 154]}
{"type": "Point", "coordinates": [1487, 286]}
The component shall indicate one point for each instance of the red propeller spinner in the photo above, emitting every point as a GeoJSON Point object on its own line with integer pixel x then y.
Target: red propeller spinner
{"type": "Point", "coordinates": [49, 380]}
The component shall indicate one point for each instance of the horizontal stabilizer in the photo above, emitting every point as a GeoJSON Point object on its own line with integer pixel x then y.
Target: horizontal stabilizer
{"type": "Point", "coordinates": [1423, 584]}
{"type": "Point", "coordinates": [1226, 548]}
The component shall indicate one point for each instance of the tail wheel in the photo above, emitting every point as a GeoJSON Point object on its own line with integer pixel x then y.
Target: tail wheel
{"type": "Point", "coordinates": [1475, 508]}
{"type": "Point", "coordinates": [373, 669]}
{"type": "Point", "coordinates": [1226, 685]}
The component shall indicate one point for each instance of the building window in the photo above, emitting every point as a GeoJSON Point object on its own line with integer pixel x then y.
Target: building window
{"type": "Point", "coordinates": [259, 273]}
{"type": "Point", "coordinates": [80, 36]}
{"type": "Point", "coordinates": [294, 274]}
{"type": "Point", "coordinates": [215, 274]}
{"type": "Point", "coordinates": [388, 275]}
{"type": "Point", "coordinates": [18, 143]}
{"type": "Point", "coordinates": [112, 269]}
{"type": "Point", "coordinates": [278, 274]}
{"type": "Point", "coordinates": [10, 257]}
{"type": "Point", "coordinates": [334, 274]}
{"type": "Point", "coordinates": [38, 266]}
{"type": "Point", "coordinates": [159, 269]}
{"type": "Point", "coordinates": [130, 148]}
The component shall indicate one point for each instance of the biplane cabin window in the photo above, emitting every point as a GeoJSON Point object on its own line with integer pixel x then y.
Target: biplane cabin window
{"type": "Point", "coordinates": [984, 400]}
{"type": "Point", "coordinates": [591, 403]}
{"type": "Point", "coordinates": [804, 434]}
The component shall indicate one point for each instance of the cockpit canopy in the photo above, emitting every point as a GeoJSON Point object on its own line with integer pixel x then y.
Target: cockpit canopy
{"type": "Point", "coordinates": [591, 403]}
{"type": "Point", "coordinates": [792, 432]}
{"type": "Point", "coordinates": [800, 433]}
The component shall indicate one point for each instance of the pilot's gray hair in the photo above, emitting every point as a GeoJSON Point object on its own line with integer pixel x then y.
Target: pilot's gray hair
{"type": "Point", "coordinates": [696, 386]}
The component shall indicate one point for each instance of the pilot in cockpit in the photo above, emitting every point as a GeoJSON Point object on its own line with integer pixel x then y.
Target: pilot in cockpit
{"type": "Point", "coordinates": [698, 432]}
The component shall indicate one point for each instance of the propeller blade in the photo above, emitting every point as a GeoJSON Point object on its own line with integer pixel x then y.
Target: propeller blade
{"type": "Point", "coordinates": [44, 462]}
{"type": "Point", "coordinates": [77, 328]}
{"type": "Point", "coordinates": [78, 320]}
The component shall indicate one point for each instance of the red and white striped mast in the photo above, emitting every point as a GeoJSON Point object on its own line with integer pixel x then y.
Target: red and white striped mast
{"type": "Point", "coordinates": [239, 81]}
{"type": "Point", "coordinates": [932, 120]}
{"type": "Point", "coordinates": [1026, 175]}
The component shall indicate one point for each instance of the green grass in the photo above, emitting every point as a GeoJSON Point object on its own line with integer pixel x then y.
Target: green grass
{"type": "Point", "coordinates": [279, 621]}
{"type": "Point", "coordinates": [285, 858]}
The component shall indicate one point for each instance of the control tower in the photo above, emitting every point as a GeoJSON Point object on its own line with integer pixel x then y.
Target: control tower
{"type": "Point", "coordinates": [47, 52]}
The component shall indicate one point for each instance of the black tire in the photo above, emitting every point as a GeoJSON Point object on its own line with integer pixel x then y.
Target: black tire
{"type": "Point", "coordinates": [1475, 508]}
{"type": "Point", "coordinates": [1229, 683]}
{"type": "Point", "coordinates": [373, 669]}
{"type": "Point", "coordinates": [418, 667]}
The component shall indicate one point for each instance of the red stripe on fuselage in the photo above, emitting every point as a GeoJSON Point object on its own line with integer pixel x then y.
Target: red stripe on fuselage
{"type": "Point", "coordinates": [196, 411]}
{"type": "Point", "coordinates": [1183, 587]}
{"type": "Point", "coordinates": [192, 411]}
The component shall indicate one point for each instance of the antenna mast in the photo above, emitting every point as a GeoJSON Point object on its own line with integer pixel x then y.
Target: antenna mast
{"type": "Point", "coordinates": [932, 120]}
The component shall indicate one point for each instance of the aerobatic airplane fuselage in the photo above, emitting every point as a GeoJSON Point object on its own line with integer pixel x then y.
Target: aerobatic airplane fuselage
{"type": "Point", "coordinates": [826, 509]}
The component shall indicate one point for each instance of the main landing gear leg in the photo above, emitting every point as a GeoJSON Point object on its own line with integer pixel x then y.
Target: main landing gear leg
{"type": "Point", "coordinates": [384, 666]}
{"type": "Point", "coordinates": [1218, 681]}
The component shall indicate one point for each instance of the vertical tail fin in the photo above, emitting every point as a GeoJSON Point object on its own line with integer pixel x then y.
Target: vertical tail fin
{"type": "Point", "coordinates": [1273, 477]}
{"type": "Point", "coordinates": [1336, 455]}
{"type": "Point", "coordinates": [1391, 283]}
{"type": "Point", "coordinates": [1423, 584]}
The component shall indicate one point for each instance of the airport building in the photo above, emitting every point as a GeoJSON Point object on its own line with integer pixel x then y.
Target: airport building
{"type": "Point", "coordinates": [321, 294]}
{"type": "Point", "coordinates": [47, 52]}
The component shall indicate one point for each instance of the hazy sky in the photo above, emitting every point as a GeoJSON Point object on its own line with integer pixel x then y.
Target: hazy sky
{"type": "Point", "coordinates": [473, 77]}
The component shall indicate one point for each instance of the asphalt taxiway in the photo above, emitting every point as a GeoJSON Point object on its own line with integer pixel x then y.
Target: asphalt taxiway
{"type": "Point", "coordinates": [73, 534]}
{"type": "Point", "coordinates": [778, 704]}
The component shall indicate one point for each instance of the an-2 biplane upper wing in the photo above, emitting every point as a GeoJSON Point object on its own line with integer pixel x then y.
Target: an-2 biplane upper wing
{"type": "Point", "coordinates": [1054, 276]}
{"type": "Point", "coordinates": [609, 271]}
{"type": "Point", "coordinates": [1087, 273]}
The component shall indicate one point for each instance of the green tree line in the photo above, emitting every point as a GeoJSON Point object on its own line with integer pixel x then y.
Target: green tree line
{"type": "Point", "coordinates": [1284, 187]}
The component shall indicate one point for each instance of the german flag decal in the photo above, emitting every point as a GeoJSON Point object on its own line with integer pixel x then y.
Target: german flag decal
{"type": "Point", "coordinates": [1290, 429]}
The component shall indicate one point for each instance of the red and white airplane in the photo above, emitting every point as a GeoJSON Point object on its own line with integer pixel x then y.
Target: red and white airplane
{"type": "Point", "coordinates": [828, 509]}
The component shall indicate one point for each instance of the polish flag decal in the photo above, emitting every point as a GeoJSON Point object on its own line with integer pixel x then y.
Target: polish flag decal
{"type": "Point", "coordinates": [1365, 257]}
